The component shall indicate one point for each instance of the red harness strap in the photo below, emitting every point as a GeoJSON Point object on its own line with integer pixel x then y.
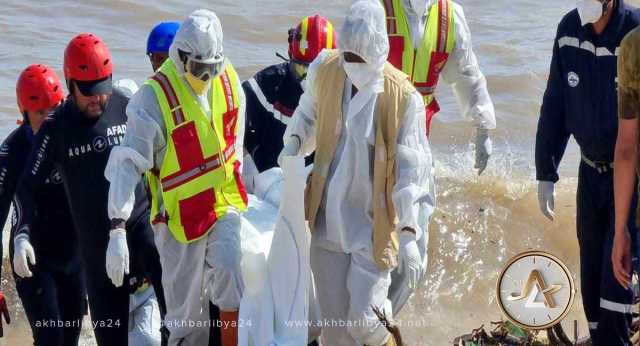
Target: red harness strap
{"type": "Point", "coordinates": [438, 60]}
{"type": "Point", "coordinates": [171, 96]}
{"type": "Point", "coordinates": [392, 26]}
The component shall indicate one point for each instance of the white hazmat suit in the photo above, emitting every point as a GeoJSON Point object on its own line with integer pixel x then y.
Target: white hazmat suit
{"type": "Point", "coordinates": [469, 84]}
{"type": "Point", "coordinates": [204, 270]}
{"type": "Point", "coordinates": [144, 312]}
{"type": "Point", "coordinates": [347, 279]}
{"type": "Point", "coordinates": [462, 72]}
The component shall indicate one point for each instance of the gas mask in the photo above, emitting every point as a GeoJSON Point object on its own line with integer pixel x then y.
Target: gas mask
{"type": "Point", "coordinates": [591, 11]}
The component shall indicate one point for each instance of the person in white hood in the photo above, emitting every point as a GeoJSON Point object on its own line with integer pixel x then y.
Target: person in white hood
{"type": "Point", "coordinates": [371, 180]}
{"type": "Point", "coordinates": [430, 39]}
{"type": "Point", "coordinates": [185, 132]}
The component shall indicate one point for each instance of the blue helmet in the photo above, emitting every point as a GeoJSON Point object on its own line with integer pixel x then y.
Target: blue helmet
{"type": "Point", "coordinates": [161, 37]}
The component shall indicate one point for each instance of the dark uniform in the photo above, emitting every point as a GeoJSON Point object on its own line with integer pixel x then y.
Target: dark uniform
{"type": "Point", "coordinates": [79, 148]}
{"type": "Point", "coordinates": [54, 297]}
{"type": "Point", "coordinates": [581, 101]}
{"type": "Point", "coordinates": [272, 95]}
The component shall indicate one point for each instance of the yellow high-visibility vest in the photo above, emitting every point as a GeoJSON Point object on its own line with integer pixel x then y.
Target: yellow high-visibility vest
{"type": "Point", "coordinates": [199, 179]}
{"type": "Point", "coordinates": [422, 65]}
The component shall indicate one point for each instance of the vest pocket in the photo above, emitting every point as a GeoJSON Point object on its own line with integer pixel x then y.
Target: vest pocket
{"type": "Point", "coordinates": [187, 145]}
{"type": "Point", "coordinates": [396, 48]}
{"type": "Point", "coordinates": [197, 213]}
{"type": "Point", "coordinates": [230, 119]}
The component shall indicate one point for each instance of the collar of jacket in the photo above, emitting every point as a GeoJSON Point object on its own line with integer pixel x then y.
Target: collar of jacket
{"type": "Point", "coordinates": [614, 27]}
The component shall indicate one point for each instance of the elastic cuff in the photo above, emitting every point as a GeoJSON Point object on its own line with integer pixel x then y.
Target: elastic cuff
{"type": "Point", "coordinates": [117, 223]}
{"type": "Point", "coordinates": [299, 140]}
{"type": "Point", "coordinates": [20, 237]}
{"type": "Point", "coordinates": [413, 226]}
{"type": "Point", "coordinates": [24, 230]}
{"type": "Point", "coordinates": [117, 232]}
{"type": "Point", "coordinates": [406, 237]}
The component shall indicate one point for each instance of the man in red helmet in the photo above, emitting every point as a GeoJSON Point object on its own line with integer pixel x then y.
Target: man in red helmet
{"type": "Point", "coordinates": [77, 140]}
{"type": "Point", "coordinates": [52, 290]}
{"type": "Point", "coordinates": [273, 93]}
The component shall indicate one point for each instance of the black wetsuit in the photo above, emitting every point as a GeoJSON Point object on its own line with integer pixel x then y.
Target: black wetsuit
{"type": "Point", "coordinates": [79, 148]}
{"type": "Point", "coordinates": [54, 297]}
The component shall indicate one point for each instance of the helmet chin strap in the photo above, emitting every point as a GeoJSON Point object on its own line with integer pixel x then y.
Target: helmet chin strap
{"type": "Point", "coordinates": [605, 7]}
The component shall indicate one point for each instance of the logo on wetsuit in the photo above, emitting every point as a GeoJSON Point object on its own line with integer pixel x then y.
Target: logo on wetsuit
{"type": "Point", "coordinates": [55, 177]}
{"type": "Point", "coordinates": [99, 144]}
{"type": "Point", "coordinates": [114, 136]}
{"type": "Point", "coordinates": [3, 177]}
{"type": "Point", "coordinates": [4, 149]}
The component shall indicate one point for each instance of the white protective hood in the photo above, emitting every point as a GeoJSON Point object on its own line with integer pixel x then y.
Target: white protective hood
{"type": "Point", "coordinates": [199, 34]}
{"type": "Point", "coordinates": [364, 33]}
{"type": "Point", "coordinates": [418, 7]}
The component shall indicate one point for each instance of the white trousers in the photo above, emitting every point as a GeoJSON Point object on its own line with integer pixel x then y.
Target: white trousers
{"type": "Point", "coordinates": [144, 319]}
{"type": "Point", "coordinates": [347, 285]}
{"type": "Point", "coordinates": [194, 274]}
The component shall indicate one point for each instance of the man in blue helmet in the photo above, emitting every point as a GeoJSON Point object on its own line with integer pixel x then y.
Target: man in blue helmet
{"type": "Point", "coordinates": [159, 41]}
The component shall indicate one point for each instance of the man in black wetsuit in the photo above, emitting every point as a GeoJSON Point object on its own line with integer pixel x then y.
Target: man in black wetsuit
{"type": "Point", "coordinates": [52, 290]}
{"type": "Point", "coordinates": [77, 139]}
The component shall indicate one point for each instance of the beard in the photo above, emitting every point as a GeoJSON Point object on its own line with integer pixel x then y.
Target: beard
{"type": "Point", "coordinates": [94, 109]}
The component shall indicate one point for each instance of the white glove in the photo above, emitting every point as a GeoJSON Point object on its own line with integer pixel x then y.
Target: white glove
{"type": "Point", "coordinates": [291, 148]}
{"type": "Point", "coordinates": [484, 149]}
{"type": "Point", "coordinates": [117, 256]}
{"type": "Point", "coordinates": [546, 198]}
{"type": "Point", "coordinates": [249, 173]}
{"type": "Point", "coordinates": [23, 255]}
{"type": "Point", "coordinates": [410, 259]}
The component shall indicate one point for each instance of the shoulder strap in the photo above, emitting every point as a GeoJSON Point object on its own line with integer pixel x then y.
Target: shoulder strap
{"type": "Point", "coordinates": [228, 92]}
{"type": "Point", "coordinates": [443, 25]}
{"type": "Point", "coordinates": [392, 22]}
{"type": "Point", "coordinates": [172, 97]}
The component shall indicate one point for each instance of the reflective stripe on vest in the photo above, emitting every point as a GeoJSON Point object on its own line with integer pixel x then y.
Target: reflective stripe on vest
{"type": "Point", "coordinates": [172, 98]}
{"type": "Point", "coordinates": [208, 165]}
{"type": "Point", "coordinates": [199, 179]}
{"type": "Point", "coordinates": [422, 65]}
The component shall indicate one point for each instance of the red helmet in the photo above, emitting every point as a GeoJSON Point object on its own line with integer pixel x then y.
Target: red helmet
{"type": "Point", "coordinates": [87, 58]}
{"type": "Point", "coordinates": [38, 88]}
{"type": "Point", "coordinates": [311, 36]}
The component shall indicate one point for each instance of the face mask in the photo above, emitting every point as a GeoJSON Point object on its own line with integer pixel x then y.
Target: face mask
{"type": "Point", "coordinates": [298, 70]}
{"type": "Point", "coordinates": [419, 7]}
{"type": "Point", "coordinates": [199, 86]}
{"type": "Point", "coordinates": [590, 11]}
{"type": "Point", "coordinates": [360, 74]}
